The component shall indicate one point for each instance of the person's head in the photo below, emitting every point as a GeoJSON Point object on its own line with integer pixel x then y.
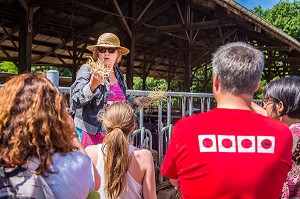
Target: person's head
{"type": "Point", "coordinates": [108, 49]}
{"type": "Point", "coordinates": [119, 122]}
{"type": "Point", "coordinates": [237, 67]}
{"type": "Point", "coordinates": [282, 97]}
{"type": "Point", "coordinates": [34, 122]}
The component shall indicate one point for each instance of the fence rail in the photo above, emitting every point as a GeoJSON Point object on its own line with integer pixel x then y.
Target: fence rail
{"type": "Point", "coordinates": [163, 116]}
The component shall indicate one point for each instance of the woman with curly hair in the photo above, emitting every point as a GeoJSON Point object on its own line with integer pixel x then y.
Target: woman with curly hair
{"type": "Point", "coordinates": [125, 171]}
{"type": "Point", "coordinates": [282, 102]}
{"type": "Point", "coordinates": [35, 127]}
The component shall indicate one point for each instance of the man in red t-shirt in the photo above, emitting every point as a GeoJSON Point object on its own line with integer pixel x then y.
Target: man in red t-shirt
{"type": "Point", "coordinates": [230, 152]}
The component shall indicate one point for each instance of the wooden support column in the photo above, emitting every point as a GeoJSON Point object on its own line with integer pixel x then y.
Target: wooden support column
{"type": "Point", "coordinates": [130, 44]}
{"type": "Point", "coordinates": [187, 59]}
{"type": "Point", "coordinates": [144, 71]}
{"type": "Point", "coordinates": [188, 68]}
{"type": "Point", "coordinates": [169, 74]}
{"type": "Point", "coordinates": [25, 40]}
{"type": "Point", "coordinates": [74, 57]}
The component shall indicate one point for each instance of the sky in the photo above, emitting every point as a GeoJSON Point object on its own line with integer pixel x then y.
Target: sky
{"type": "Point", "coordinates": [265, 4]}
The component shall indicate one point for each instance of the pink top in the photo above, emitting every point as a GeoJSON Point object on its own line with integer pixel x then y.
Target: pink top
{"type": "Point", "coordinates": [115, 94]}
{"type": "Point", "coordinates": [291, 188]}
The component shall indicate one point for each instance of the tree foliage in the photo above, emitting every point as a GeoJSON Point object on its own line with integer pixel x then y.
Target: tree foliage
{"type": "Point", "coordinates": [63, 72]}
{"type": "Point", "coordinates": [9, 67]}
{"type": "Point", "coordinates": [284, 15]}
{"type": "Point", "coordinates": [156, 84]}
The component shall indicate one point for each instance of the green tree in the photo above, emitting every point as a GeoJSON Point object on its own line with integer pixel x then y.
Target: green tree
{"type": "Point", "coordinates": [151, 84]}
{"type": "Point", "coordinates": [63, 72]}
{"type": "Point", "coordinates": [284, 15]}
{"type": "Point", "coordinates": [7, 66]}
{"type": "Point", "coordinates": [10, 67]}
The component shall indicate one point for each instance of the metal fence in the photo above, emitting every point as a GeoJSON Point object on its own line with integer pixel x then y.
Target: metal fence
{"type": "Point", "coordinates": [164, 114]}
{"type": "Point", "coordinates": [176, 106]}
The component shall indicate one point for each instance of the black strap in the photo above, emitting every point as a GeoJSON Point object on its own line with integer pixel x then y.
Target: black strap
{"type": "Point", "coordinates": [12, 173]}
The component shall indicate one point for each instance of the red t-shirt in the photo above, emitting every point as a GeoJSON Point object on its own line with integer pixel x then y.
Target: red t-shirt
{"type": "Point", "coordinates": [227, 153]}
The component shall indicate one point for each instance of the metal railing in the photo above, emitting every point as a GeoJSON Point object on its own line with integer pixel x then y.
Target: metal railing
{"type": "Point", "coordinates": [165, 114]}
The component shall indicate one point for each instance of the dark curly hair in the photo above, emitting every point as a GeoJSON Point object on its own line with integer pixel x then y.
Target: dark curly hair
{"type": "Point", "coordinates": [34, 122]}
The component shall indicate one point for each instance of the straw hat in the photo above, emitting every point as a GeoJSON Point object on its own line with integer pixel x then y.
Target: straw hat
{"type": "Point", "coordinates": [108, 40]}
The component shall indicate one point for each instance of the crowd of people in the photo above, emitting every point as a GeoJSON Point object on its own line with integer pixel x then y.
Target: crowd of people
{"type": "Point", "coordinates": [237, 150]}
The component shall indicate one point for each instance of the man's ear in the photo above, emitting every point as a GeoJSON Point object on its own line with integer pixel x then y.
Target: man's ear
{"type": "Point", "coordinates": [216, 82]}
{"type": "Point", "coordinates": [257, 87]}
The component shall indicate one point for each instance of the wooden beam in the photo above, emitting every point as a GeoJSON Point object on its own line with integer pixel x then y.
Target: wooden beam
{"type": "Point", "coordinates": [59, 58]}
{"type": "Point", "coordinates": [131, 45]}
{"type": "Point", "coordinates": [25, 41]}
{"type": "Point", "coordinates": [124, 23]}
{"type": "Point", "coordinates": [84, 29]}
{"type": "Point", "coordinates": [203, 25]}
{"type": "Point", "coordinates": [64, 42]}
{"type": "Point", "coordinates": [157, 11]}
{"type": "Point", "coordinates": [213, 45]}
{"type": "Point", "coordinates": [8, 56]}
{"type": "Point", "coordinates": [24, 4]}
{"type": "Point", "coordinates": [13, 31]}
{"type": "Point", "coordinates": [144, 11]}
{"type": "Point", "coordinates": [93, 7]}
{"type": "Point", "coordinates": [9, 36]}
{"type": "Point", "coordinates": [35, 52]}
{"type": "Point", "coordinates": [188, 68]}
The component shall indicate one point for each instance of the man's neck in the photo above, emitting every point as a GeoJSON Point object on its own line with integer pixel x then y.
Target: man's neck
{"type": "Point", "coordinates": [231, 101]}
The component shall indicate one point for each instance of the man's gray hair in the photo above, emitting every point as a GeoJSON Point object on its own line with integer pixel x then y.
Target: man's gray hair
{"type": "Point", "coordinates": [238, 66]}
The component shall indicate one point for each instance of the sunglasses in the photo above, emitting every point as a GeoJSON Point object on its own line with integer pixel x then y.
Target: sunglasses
{"type": "Point", "coordinates": [110, 50]}
{"type": "Point", "coordinates": [266, 102]}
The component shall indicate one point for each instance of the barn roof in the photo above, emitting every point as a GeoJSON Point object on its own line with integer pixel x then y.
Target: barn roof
{"type": "Point", "coordinates": [168, 39]}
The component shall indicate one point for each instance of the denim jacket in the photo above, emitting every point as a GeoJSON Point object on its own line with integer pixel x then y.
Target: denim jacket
{"type": "Point", "coordinates": [87, 105]}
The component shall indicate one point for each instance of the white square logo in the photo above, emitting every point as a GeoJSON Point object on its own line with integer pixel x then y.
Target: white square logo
{"type": "Point", "coordinates": [265, 144]}
{"type": "Point", "coordinates": [226, 143]}
{"type": "Point", "coordinates": [207, 143]}
{"type": "Point", "coordinates": [246, 144]}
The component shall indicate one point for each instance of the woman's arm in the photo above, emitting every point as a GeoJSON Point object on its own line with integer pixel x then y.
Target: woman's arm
{"type": "Point", "coordinates": [258, 109]}
{"type": "Point", "coordinates": [82, 90]}
{"type": "Point", "coordinates": [92, 152]}
{"type": "Point", "coordinates": [149, 187]}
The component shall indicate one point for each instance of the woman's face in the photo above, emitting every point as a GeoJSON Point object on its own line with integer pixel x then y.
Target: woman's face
{"type": "Point", "coordinates": [268, 105]}
{"type": "Point", "coordinates": [108, 56]}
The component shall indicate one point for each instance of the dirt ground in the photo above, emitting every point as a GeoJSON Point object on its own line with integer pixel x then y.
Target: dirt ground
{"type": "Point", "coordinates": [168, 193]}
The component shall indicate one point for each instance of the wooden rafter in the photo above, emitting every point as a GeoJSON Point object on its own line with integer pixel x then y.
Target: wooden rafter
{"type": "Point", "coordinates": [124, 23]}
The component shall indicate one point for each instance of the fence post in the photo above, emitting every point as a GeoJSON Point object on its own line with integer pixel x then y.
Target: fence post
{"type": "Point", "coordinates": [53, 76]}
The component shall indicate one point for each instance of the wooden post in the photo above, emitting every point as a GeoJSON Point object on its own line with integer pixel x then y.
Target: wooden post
{"type": "Point", "coordinates": [144, 71]}
{"type": "Point", "coordinates": [187, 60]}
{"type": "Point", "coordinates": [188, 69]}
{"type": "Point", "coordinates": [75, 64]}
{"type": "Point", "coordinates": [130, 44]}
{"type": "Point", "coordinates": [169, 74]}
{"type": "Point", "coordinates": [25, 41]}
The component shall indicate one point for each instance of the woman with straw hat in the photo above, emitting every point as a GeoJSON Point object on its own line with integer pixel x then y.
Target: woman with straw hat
{"type": "Point", "coordinates": [95, 88]}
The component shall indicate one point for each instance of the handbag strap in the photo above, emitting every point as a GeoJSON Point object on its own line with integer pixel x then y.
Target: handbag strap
{"type": "Point", "coordinates": [12, 173]}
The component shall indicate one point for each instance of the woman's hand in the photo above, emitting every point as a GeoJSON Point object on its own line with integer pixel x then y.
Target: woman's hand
{"type": "Point", "coordinates": [137, 100]}
{"type": "Point", "coordinates": [96, 79]}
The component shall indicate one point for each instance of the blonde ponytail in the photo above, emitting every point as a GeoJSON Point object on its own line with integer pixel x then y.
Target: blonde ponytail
{"type": "Point", "coordinates": [118, 122]}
